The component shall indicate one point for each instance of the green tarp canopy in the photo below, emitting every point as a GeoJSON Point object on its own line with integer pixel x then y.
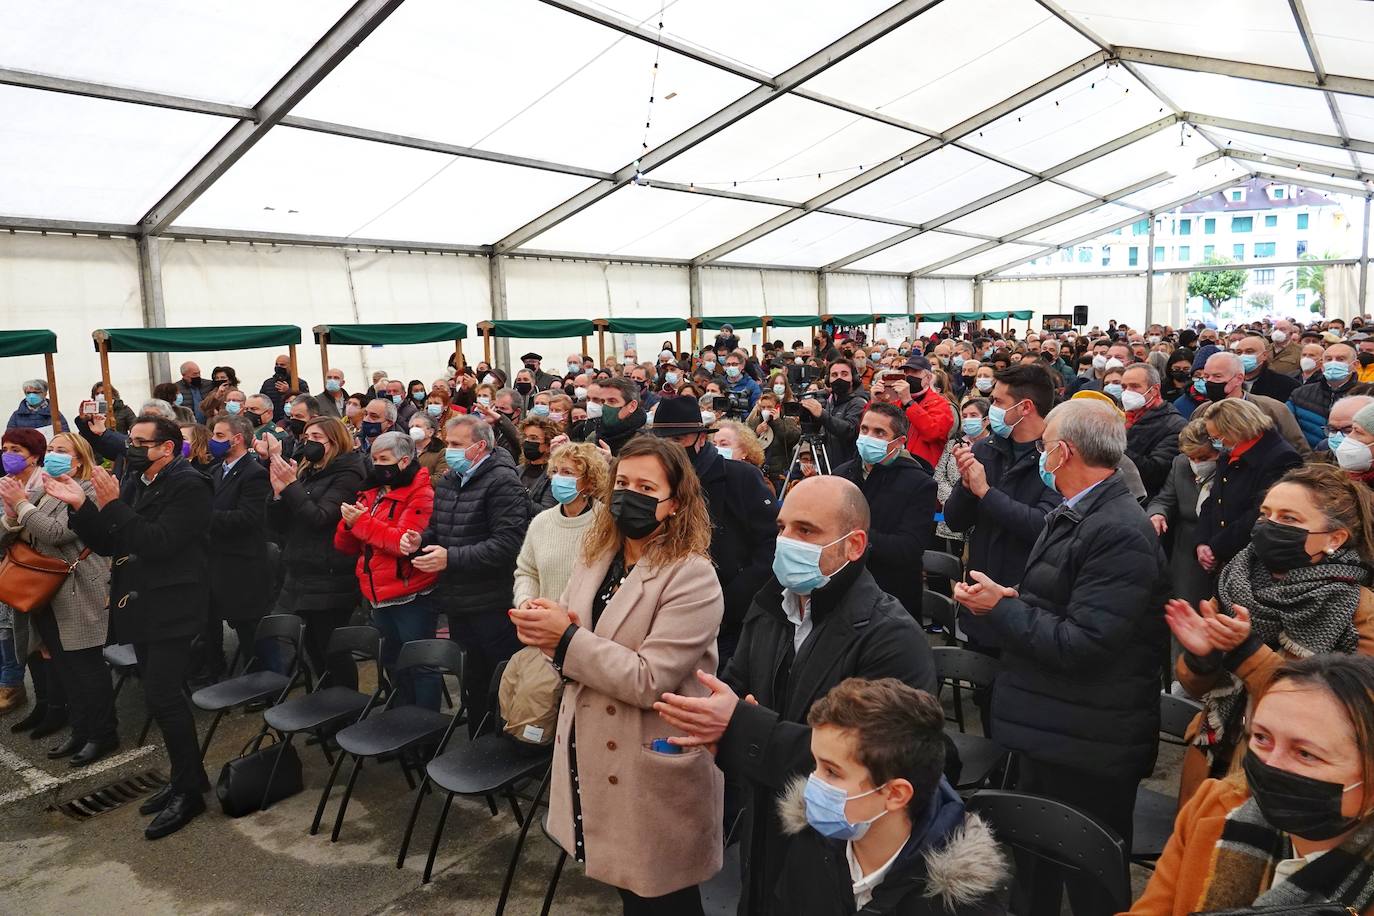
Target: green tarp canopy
{"type": "Point", "coordinates": [645, 325]}
{"type": "Point", "coordinates": [1022, 314]}
{"type": "Point", "coordinates": [1018, 314]}
{"type": "Point", "coordinates": [794, 321]}
{"type": "Point", "coordinates": [27, 343]}
{"type": "Point", "coordinates": [738, 322]}
{"type": "Point", "coordinates": [167, 340]}
{"type": "Point", "coordinates": [934, 316]}
{"type": "Point", "coordinates": [538, 328]}
{"type": "Point", "coordinates": [379, 334]}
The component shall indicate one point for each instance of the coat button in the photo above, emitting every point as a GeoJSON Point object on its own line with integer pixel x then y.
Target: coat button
{"type": "Point", "coordinates": [615, 781]}
{"type": "Point", "coordinates": [610, 745]}
{"type": "Point", "coordinates": [610, 710]}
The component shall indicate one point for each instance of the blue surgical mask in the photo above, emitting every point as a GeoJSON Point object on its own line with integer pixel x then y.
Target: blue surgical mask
{"type": "Point", "coordinates": [177, 402]}
{"type": "Point", "coordinates": [732, 371]}
{"type": "Point", "coordinates": [232, 407]}
{"type": "Point", "coordinates": [973, 426]}
{"type": "Point", "coordinates": [672, 378]}
{"type": "Point", "coordinates": [563, 487]}
{"type": "Point", "coordinates": [1200, 385]}
{"type": "Point", "coordinates": [779, 390]}
{"type": "Point", "coordinates": [825, 810]}
{"type": "Point", "coordinates": [332, 384]}
{"type": "Point", "coordinates": [958, 362]}
{"type": "Point", "coordinates": [457, 460]}
{"type": "Point", "coordinates": [872, 449]}
{"type": "Point", "coordinates": [417, 396]}
{"type": "Point", "coordinates": [1113, 389]}
{"type": "Point", "coordinates": [797, 564]}
{"type": "Point", "coordinates": [540, 410]}
{"type": "Point", "coordinates": [1046, 475]}
{"type": "Point", "coordinates": [57, 464]}
{"type": "Point", "coordinates": [726, 452]}
{"type": "Point", "coordinates": [1218, 444]}
{"type": "Point", "coordinates": [997, 419]}
{"type": "Point", "coordinates": [1334, 441]}
{"type": "Point", "coordinates": [434, 410]}
{"type": "Point", "coordinates": [984, 384]}
{"type": "Point", "coordinates": [709, 365]}
{"type": "Point", "coordinates": [1335, 372]}
{"type": "Point", "coordinates": [33, 399]}
{"type": "Point", "coordinates": [397, 399]}
{"type": "Point", "coordinates": [1249, 362]}
{"type": "Point", "coordinates": [219, 448]}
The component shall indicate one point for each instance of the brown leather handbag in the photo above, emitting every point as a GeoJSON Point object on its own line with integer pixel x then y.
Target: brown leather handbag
{"type": "Point", "coordinates": [29, 579]}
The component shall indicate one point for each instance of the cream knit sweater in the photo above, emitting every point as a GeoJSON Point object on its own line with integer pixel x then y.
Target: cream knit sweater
{"type": "Point", "coordinates": [552, 549]}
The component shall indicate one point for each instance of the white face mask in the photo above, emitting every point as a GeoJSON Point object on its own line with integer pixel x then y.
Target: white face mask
{"type": "Point", "coordinates": [1132, 400]}
{"type": "Point", "coordinates": [594, 410]}
{"type": "Point", "coordinates": [417, 433]}
{"type": "Point", "coordinates": [580, 393]}
{"type": "Point", "coordinates": [767, 415]}
{"type": "Point", "coordinates": [1279, 337]}
{"type": "Point", "coordinates": [1308, 364]}
{"type": "Point", "coordinates": [1353, 455]}
{"type": "Point", "coordinates": [1202, 469]}
{"type": "Point", "coordinates": [1099, 362]}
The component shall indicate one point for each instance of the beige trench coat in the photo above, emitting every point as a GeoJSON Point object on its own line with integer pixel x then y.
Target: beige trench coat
{"type": "Point", "coordinates": [651, 821]}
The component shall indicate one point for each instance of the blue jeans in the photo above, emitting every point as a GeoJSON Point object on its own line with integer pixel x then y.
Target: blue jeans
{"type": "Point", "coordinates": [399, 624]}
{"type": "Point", "coordinates": [11, 666]}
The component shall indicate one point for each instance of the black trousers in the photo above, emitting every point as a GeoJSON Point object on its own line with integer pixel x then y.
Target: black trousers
{"type": "Point", "coordinates": [85, 680]}
{"type": "Point", "coordinates": [1109, 799]}
{"type": "Point", "coordinates": [162, 666]}
{"type": "Point", "coordinates": [213, 641]}
{"type": "Point", "coordinates": [319, 626]}
{"type": "Point", "coordinates": [487, 639]}
{"type": "Point", "coordinates": [686, 902]}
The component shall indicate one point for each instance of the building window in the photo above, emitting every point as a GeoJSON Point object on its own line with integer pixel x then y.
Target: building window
{"type": "Point", "coordinates": [1236, 195]}
{"type": "Point", "coordinates": [1280, 193]}
{"type": "Point", "coordinates": [1159, 253]}
{"type": "Point", "coordinates": [1271, 220]}
{"type": "Point", "coordinates": [1209, 227]}
{"type": "Point", "coordinates": [1265, 249]}
{"type": "Point", "coordinates": [1066, 255]}
{"type": "Point", "coordinates": [1140, 228]}
{"type": "Point", "coordinates": [1302, 299]}
{"type": "Point", "coordinates": [1302, 247]}
{"type": "Point", "coordinates": [1106, 255]}
{"type": "Point", "coordinates": [1185, 227]}
{"type": "Point", "coordinates": [1085, 255]}
{"type": "Point", "coordinates": [1185, 253]}
{"type": "Point", "coordinates": [1208, 252]}
{"type": "Point", "coordinates": [1302, 220]}
{"type": "Point", "coordinates": [1242, 223]}
{"type": "Point", "coordinates": [1264, 276]}
{"type": "Point", "coordinates": [1238, 252]}
{"type": "Point", "coordinates": [1133, 256]}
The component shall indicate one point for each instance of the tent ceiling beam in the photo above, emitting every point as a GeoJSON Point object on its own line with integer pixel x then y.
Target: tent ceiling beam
{"type": "Point", "coordinates": [856, 40]}
{"type": "Point", "coordinates": [1279, 133]}
{"type": "Point", "coordinates": [1265, 73]}
{"type": "Point", "coordinates": [346, 34]}
{"type": "Point", "coordinates": [882, 169]}
{"type": "Point", "coordinates": [1318, 169]}
{"type": "Point", "coordinates": [1319, 70]}
{"type": "Point", "coordinates": [26, 80]}
{"type": "Point", "coordinates": [1313, 183]}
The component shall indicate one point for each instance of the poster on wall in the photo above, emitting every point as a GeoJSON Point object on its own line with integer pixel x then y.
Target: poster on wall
{"type": "Point", "coordinates": [1058, 323]}
{"type": "Point", "coordinates": [898, 329]}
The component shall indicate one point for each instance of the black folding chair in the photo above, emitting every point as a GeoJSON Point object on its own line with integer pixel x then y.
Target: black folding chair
{"type": "Point", "coordinates": [124, 663]}
{"type": "Point", "coordinates": [331, 706]}
{"type": "Point", "coordinates": [282, 630]}
{"type": "Point", "coordinates": [1054, 832]}
{"type": "Point", "coordinates": [944, 565]}
{"type": "Point", "coordinates": [941, 611]}
{"type": "Point", "coordinates": [396, 729]}
{"type": "Point", "coordinates": [979, 756]}
{"type": "Point", "coordinates": [1156, 812]}
{"type": "Point", "coordinates": [489, 765]}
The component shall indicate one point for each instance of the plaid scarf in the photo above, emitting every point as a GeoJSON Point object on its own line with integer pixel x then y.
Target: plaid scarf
{"type": "Point", "coordinates": [1305, 611]}
{"type": "Point", "coordinates": [1243, 864]}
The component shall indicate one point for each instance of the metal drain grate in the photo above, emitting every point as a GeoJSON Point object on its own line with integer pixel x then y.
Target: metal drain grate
{"type": "Point", "coordinates": [115, 795]}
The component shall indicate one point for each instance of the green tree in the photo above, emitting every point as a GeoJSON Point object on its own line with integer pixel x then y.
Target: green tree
{"type": "Point", "coordinates": [1216, 286]}
{"type": "Point", "coordinates": [1312, 278]}
{"type": "Point", "coordinates": [1260, 300]}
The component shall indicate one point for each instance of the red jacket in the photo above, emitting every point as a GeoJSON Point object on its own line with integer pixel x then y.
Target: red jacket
{"type": "Point", "coordinates": [375, 539]}
{"type": "Point", "coordinates": [931, 418]}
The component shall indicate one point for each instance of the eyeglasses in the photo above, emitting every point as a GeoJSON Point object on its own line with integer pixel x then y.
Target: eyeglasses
{"type": "Point", "coordinates": [1343, 430]}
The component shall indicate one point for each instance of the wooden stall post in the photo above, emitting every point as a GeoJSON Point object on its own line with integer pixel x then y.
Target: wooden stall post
{"type": "Point", "coordinates": [458, 363]}
{"type": "Point", "coordinates": [677, 341]}
{"type": "Point", "coordinates": [763, 331]}
{"type": "Point", "coordinates": [324, 361]}
{"type": "Point", "coordinates": [692, 323]}
{"type": "Point", "coordinates": [295, 378]}
{"type": "Point", "coordinates": [486, 345]}
{"type": "Point", "coordinates": [584, 345]}
{"type": "Point", "coordinates": [600, 344]}
{"type": "Point", "coordinates": [104, 346]}
{"type": "Point", "coordinates": [52, 394]}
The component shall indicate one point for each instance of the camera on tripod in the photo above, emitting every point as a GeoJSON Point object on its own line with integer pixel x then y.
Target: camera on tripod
{"type": "Point", "coordinates": [733, 405]}
{"type": "Point", "coordinates": [810, 426]}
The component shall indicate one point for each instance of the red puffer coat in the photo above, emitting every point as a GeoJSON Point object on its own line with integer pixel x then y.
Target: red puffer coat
{"type": "Point", "coordinates": [375, 539]}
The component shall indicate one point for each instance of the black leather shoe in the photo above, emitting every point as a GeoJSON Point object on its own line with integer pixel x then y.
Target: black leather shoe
{"type": "Point", "coordinates": [53, 722]}
{"type": "Point", "coordinates": [66, 748]}
{"type": "Point", "coordinates": [36, 715]}
{"type": "Point", "coordinates": [156, 802]}
{"type": "Point", "coordinates": [180, 811]}
{"type": "Point", "coordinates": [93, 751]}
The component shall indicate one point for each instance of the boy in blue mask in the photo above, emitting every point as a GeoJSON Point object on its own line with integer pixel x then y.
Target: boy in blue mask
{"type": "Point", "coordinates": [876, 826]}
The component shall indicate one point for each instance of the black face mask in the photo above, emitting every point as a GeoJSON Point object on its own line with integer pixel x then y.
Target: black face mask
{"type": "Point", "coordinates": [635, 514]}
{"type": "Point", "coordinates": [1216, 391]}
{"type": "Point", "coordinates": [1180, 375]}
{"type": "Point", "coordinates": [533, 450]}
{"type": "Point", "coordinates": [253, 417]}
{"type": "Point", "coordinates": [296, 427]}
{"type": "Point", "coordinates": [1365, 359]}
{"type": "Point", "coordinates": [1280, 547]}
{"type": "Point", "coordinates": [371, 430]}
{"type": "Point", "coordinates": [523, 387]}
{"type": "Point", "coordinates": [136, 458]}
{"type": "Point", "coordinates": [840, 388]}
{"type": "Point", "coordinates": [391, 475]}
{"type": "Point", "coordinates": [1300, 805]}
{"type": "Point", "coordinates": [311, 451]}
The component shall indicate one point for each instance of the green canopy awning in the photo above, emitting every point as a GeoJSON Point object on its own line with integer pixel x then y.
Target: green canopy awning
{"type": "Point", "coordinates": [934, 316]}
{"type": "Point", "coordinates": [853, 318]}
{"type": "Point", "coordinates": [1022, 314]}
{"type": "Point", "coordinates": [167, 340]}
{"type": "Point", "coordinates": [970, 316]}
{"type": "Point", "coordinates": [646, 325]}
{"type": "Point", "coordinates": [994, 316]}
{"type": "Point", "coordinates": [738, 322]}
{"type": "Point", "coordinates": [380, 334]}
{"type": "Point", "coordinates": [794, 321]}
{"type": "Point", "coordinates": [543, 327]}
{"type": "Point", "coordinates": [27, 343]}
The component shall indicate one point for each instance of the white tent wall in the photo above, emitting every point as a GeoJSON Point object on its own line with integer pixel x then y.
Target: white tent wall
{"type": "Point", "coordinates": [1122, 297]}
{"type": "Point", "coordinates": [873, 293]}
{"type": "Point", "coordinates": [1041, 296]}
{"type": "Point", "coordinates": [936, 295]}
{"type": "Point", "coordinates": [742, 291]}
{"type": "Point", "coordinates": [70, 285]}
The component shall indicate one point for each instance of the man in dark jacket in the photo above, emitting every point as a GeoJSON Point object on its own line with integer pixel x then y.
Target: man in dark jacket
{"type": "Point", "coordinates": [1259, 378]}
{"type": "Point", "coordinates": [193, 389]}
{"type": "Point", "coordinates": [1083, 636]}
{"type": "Point", "coordinates": [743, 514]}
{"type": "Point", "coordinates": [839, 414]}
{"type": "Point", "coordinates": [1000, 494]}
{"type": "Point", "coordinates": [278, 388]}
{"type": "Point", "coordinates": [819, 620]}
{"type": "Point", "coordinates": [1152, 426]}
{"type": "Point", "coordinates": [239, 586]}
{"type": "Point", "coordinates": [614, 413]}
{"type": "Point", "coordinates": [901, 503]}
{"type": "Point", "coordinates": [481, 511]}
{"type": "Point", "coordinates": [1311, 403]}
{"type": "Point", "coordinates": [155, 525]}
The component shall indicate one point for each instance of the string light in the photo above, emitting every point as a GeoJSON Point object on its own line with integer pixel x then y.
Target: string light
{"type": "Point", "coordinates": [653, 91]}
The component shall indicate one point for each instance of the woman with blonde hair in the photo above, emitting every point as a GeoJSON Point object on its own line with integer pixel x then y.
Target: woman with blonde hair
{"type": "Point", "coordinates": [639, 617]}
{"type": "Point", "coordinates": [736, 441]}
{"type": "Point", "coordinates": [578, 480]}
{"type": "Point", "coordinates": [73, 629]}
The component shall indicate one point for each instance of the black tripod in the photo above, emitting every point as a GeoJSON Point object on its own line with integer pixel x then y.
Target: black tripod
{"type": "Point", "coordinates": [819, 454]}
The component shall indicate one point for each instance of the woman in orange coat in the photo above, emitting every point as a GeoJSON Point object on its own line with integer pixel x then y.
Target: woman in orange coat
{"type": "Point", "coordinates": [1294, 827]}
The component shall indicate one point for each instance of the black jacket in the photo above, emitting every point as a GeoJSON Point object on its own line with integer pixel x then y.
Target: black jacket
{"type": "Point", "coordinates": [1152, 443]}
{"type": "Point", "coordinates": [158, 536]}
{"type": "Point", "coordinates": [1082, 644]}
{"type": "Point", "coordinates": [1311, 405]}
{"type": "Point", "coordinates": [840, 426]}
{"type": "Point", "coordinates": [743, 529]}
{"type": "Point", "coordinates": [278, 398]}
{"type": "Point", "coordinates": [1274, 385]}
{"type": "Point", "coordinates": [318, 577]}
{"type": "Point", "coordinates": [859, 631]}
{"type": "Point", "coordinates": [482, 524]}
{"type": "Point", "coordinates": [595, 430]}
{"type": "Point", "coordinates": [240, 579]}
{"type": "Point", "coordinates": [535, 479]}
{"type": "Point", "coordinates": [1005, 523]}
{"type": "Point", "coordinates": [1230, 510]}
{"type": "Point", "coordinates": [901, 501]}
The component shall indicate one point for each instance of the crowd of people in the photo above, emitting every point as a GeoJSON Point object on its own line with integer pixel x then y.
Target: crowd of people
{"type": "Point", "coordinates": [719, 554]}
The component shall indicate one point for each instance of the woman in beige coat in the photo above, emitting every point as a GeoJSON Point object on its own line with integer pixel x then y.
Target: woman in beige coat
{"type": "Point", "coordinates": [639, 618]}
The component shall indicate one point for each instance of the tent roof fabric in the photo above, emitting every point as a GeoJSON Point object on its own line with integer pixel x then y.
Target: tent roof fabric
{"type": "Point", "coordinates": [381, 334]}
{"type": "Point", "coordinates": [27, 343]}
{"type": "Point", "coordinates": [834, 136]}
{"type": "Point", "coordinates": [169, 340]}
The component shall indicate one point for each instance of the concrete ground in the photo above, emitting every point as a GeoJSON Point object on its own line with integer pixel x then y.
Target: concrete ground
{"type": "Point", "coordinates": [52, 863]}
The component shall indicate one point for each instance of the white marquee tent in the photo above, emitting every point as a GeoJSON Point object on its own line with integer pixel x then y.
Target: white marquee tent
{"type": "Point", "coordinates": [252, 162]}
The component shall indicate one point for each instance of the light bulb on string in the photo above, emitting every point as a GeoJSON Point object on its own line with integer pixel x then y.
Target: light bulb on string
{"type": "Point", "coordinates": [1181, 159]}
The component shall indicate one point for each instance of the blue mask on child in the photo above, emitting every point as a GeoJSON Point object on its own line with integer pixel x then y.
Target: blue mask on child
{"type": "Point", "coordinates": [1200, 385]}
{"type": "Point", "coordinates": [825, 812]}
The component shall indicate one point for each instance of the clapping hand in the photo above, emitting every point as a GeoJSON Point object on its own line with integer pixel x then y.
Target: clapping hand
{"type": "Point", "coordinates": [1206, 631]}
{"type": "Point", "coordinates": [281, 473]}
{"type": "Point", "coordinates": [542, 623]}
{"type": "Point", "coordinates": [410, 543]}
{"type": "Point", "coordinates": [433, 559]}
{"type": "Point", "coordinates": [12, 492]}
{"type": "Point", "coordinates": [703, 719]}
{"type": "Point", "coordinates": [1205, 558]}
{"type": "Point", "coordinates": [1161, 524]}
{"type": "Point", "coordinates": [266, 446]}
{"type": "Point", "coordinates": [106, 487]}
{"type": "Point", "coordinates": [65, 489]}
{"type": "Point", "coordinates": [971, 471]}
{"type": "Point", "coordinates": [351, 512]}
{"type": "Point", "coordinates": [982, 595]}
